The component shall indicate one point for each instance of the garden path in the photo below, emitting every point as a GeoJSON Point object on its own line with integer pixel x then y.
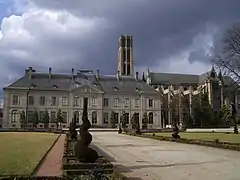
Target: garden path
{"type": "Point", "coordinates": [52, 163]}
{"type": "Point", "coordinates": [148, 159]}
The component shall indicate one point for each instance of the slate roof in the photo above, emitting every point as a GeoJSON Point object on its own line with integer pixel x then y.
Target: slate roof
{"type": "Point", "coordinates": [107, 84]}
{"type": "Point", "coordinates": [181, 79]}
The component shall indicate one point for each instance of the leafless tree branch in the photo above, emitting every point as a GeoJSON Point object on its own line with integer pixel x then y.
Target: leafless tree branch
{"type": "Point", "coordinates": [228, 61]}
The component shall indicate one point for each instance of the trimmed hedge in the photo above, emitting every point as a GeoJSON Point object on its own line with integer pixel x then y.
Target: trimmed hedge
{"type": "Point", "coordinates": [216, 143]}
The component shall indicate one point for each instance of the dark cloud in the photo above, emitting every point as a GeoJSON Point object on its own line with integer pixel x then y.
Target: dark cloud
{"type": "Point", "coordinates": [160, 28]}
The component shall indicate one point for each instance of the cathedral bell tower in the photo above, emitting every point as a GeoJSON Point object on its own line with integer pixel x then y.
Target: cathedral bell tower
{"type": "Point", "coordinates": [125, 56]}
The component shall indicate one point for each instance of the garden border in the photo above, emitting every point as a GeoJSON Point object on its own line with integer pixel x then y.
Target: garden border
{"type": "Point", "coordinates": [214, 144]}
{"type": "Point", "coordinates": [44, 156]}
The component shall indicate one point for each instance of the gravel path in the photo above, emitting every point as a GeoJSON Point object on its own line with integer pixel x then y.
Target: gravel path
{"type": "Point", "coordinates": [148, 159]}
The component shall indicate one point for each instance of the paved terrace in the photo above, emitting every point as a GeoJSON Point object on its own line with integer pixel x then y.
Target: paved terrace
{"type": "Point", "coordinates": [148, 159]}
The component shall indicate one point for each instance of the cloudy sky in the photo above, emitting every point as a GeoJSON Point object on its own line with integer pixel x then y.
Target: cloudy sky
{"type": "Point", "coordinates": [169, 36]}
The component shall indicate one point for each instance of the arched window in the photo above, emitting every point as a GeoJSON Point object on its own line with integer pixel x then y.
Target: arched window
{"type": "Point", "coordinates": [94, 117]}
{"type": "Point", "coordinates": [150, 118]}
{"type": "Point", "coordinates": [15, 116]}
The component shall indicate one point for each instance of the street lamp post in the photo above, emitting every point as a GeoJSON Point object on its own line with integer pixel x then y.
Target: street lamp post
{"type": "Point", "coordinates": [27, 104]}
{"type": "Point", "coordinates": [27, 99]}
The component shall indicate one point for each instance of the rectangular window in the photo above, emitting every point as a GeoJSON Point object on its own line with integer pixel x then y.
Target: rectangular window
{"type": "Point", "coordinates": [41, 115]}
{"type": "Point", "coordinates": [64, 114]}
{"type": "Point", "coordinates": [150, 102]}
{"type": "Point", "coordinates": [53, 101]}
{"type": "Point", "coordinates": [105, 118]}
{"type": "Point", "coordinates": [42, 100]}
{"type": "Point", "coordinates": [137, 116]}
{"type": "Point", "coordinates": [127, 118]}
{"type": "Point", "coordinates": [116, 102]}
{"type": "Point", "coordinates": [137, 102]}
{"type": "Point", "coordinates": [116, 117]}
{"type": "Point", "coordinates": [30, 116]}
{"type": "Point", "coordinates": [30, 100]}
{"type": "Point", "coordinates": [76, 101]}
{"type": "Point", "coordinates": [94, 102]}
{"type": "Point", "coordinates": [53, 116]}
{"type": "Point", "coordinates": [105, 102]}
{"type": "Point", "coordinates": [15, 100]}
{"type": "Point", "coordinates": [64, 101]}
{"type": "Point", "coordinates": [126, 102]}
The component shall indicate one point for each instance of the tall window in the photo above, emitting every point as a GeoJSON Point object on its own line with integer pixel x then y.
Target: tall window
{"type": "Point", "coordinates": [53, 101]}
{"type": "Point", "coordinates": [127, 118]}
{"type": "Point", "coordinates": [76, 115]}
{"type": "Point", "coordinates": [116, 117]}
{"type": "Point", "coordinates": [64, 101]}
{"type": "Point", "coordinates": [94, 117]}
{"type": "Point", "coordinates": [126, 102]}
{"type": "Point", "coordinates": [105, 102]}
{"type": "Point", "coordinates": [76, 101]}
{"type": "Point", "coordinates": [15, 116]}
{"type": "Point", "coordinates": [42, 100]}
{"type": "Point", "coordinates": [150, 118]}
{"type": "Point", "coordinates": [41, 115]}
{"type": "Point", "coordinates": [53, 116]}
{"type": "Point", "coordinates": [137, 102]}
{"type": "Point", "coordinates": [64, 114]}
{"type": "Point", "coordinates": [94, 102]}
{"type": "Point", "coordinates": [150, 103]}
{"type": "Point", "coordinates": [15, 100]}
{"type": "Point", "coordinates": [116, 102]}
{"type": "Point", "coordinates": [30, 100]}
{"type": "Point", "coordinates": [105, 118]}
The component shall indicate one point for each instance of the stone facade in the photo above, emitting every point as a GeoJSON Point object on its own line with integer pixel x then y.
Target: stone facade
{"type": "Point", "coordinates": [177, 92]}
{"type": "Point", "coordinates": [38, 91]}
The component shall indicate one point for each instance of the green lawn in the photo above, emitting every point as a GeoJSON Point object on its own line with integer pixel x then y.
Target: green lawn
{"type": "Point", "coordinates": [223, 137]}
{"type": "Point", "coordinates": [21, 152]}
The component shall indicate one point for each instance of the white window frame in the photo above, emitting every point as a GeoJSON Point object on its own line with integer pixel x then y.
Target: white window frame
{"type": "Point", "coordinates": [116, 102]}
{"type": "Point", "coordinates": [64, 101]}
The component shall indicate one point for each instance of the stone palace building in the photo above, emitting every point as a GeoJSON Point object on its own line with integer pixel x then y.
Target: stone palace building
{"type": "Point", "coordinates": [153, 93]}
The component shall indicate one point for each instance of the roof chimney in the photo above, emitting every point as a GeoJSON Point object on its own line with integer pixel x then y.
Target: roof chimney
{"type": "Point", "coordinates": [98, 74]}
{"type": "Point", "coordinates": [29, 72]}
{"type": "Point", "coordinates": [136, 76]}
{"type": "Point", "coordinates": [72, 73]}
{"type": "Point", "coordinates": [49, 72]}
{"type": "Point", "coordinates": [143, 77]}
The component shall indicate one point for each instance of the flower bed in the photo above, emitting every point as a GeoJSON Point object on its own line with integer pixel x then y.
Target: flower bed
{"type": "Point", "coordinates": [71, 165]}
{"type": "Point", "coordinates": [216, 143]}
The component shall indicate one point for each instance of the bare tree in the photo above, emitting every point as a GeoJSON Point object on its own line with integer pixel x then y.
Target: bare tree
{"type": "Point", "coordinates": [228, 60]}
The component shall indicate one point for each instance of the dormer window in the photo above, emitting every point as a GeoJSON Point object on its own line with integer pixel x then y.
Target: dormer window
{"type": "Point", "coordinates": [137, 89]}
{"type": "Point", "coordinates": [33, 85]}
{"type": "Point", "coordinates": [115, 89]}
